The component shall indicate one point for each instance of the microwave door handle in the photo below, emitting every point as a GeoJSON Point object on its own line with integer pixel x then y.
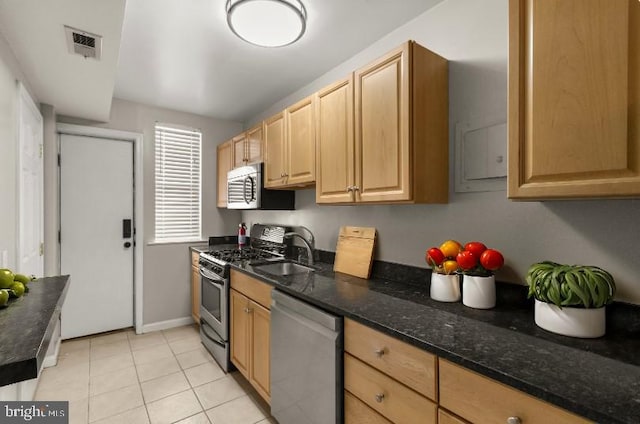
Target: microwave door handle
{"type": "Point", "coordinates": [244, 189]}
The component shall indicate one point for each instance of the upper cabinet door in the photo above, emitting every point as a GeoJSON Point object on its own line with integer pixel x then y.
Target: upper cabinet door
{"type": "Point", "coordinates": [253, 147]}
{"type": "Point", "coordinates": [334, 143]}
{"type": "Point", "coordinates": [301, 143]}
{"type": "Point", "coordinates": [224, 164]}
{"type": "Point", "coordinates": [239, 150]}
{"type": "Point", "coordinates": [382, 129]}
{"type": "Point", "coordinates": [274, 151]}
{"type": "Point", "coordinates": [574, 98]}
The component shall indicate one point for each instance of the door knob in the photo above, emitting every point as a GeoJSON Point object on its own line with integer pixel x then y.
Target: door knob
{"type": "Point", "coordinates": [127, 244]}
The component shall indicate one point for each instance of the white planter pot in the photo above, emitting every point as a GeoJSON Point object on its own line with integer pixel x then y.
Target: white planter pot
{"type": "Point", "coordinates": [568, 321]}
{"type": "Point", "coordinates": [445, 288]}
{"type": "Point", "coordinates": [479, 292]}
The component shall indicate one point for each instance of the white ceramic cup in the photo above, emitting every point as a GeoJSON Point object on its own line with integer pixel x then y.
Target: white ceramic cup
{"type": "Point", "coordinates": [479, 292]}
{"type": "Point", "coordinates": [445, 288]}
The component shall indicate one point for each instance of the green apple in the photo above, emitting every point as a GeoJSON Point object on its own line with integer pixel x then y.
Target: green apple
{"type": "Point", "coordinates": [6, 278]}
{"type": "Point", "coordinates": [18, 289]}
{"type": "Point", "coordinates": [21, 278]}
{"type": "Point", "coordinates": [4, 298]}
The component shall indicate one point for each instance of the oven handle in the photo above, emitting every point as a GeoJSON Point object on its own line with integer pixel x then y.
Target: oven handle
{"type": "Point", "coordinates": [208, 333]}
{"type": "Point", "coordinates": [212, 278]}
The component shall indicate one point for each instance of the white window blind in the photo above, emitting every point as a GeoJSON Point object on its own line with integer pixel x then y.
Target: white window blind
{"type": "Point", "coordinates": [177, 183]}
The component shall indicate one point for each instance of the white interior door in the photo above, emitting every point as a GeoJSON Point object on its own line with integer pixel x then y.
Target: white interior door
{"type": "Point", "coordinates": [96, 195]}
{"type": "Point", "coordinates": [30, 186]}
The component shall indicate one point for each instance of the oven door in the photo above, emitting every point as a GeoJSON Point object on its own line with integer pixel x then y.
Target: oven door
{"type": "Point", "coordinates": [213, 306]}
{"type": "Point", "coordinates": [243, 192]}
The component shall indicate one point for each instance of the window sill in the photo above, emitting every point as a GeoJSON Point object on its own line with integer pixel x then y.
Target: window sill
{"type": "Point", "coordinates": [163, 242]}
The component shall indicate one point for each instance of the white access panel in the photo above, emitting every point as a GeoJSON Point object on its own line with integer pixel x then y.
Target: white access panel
{"type": "Point", "coordinates": [96, 194]}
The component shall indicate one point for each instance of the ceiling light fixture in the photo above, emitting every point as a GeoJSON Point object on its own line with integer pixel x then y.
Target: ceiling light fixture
{"type": "Point", "coordinates": [267, 23]}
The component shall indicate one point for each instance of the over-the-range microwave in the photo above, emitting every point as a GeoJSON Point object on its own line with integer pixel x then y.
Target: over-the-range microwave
{"type": "Point", "coordinates": [245, 190]}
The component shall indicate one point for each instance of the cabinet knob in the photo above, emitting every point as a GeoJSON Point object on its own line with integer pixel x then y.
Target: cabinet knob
{"type": "Point", "coordinates": [286, 175]}
{"type": "Point", "coordinates": [514, 420]}
{"type": "Point", "coordinates": [349, 188]}
{"type": "Point", "coordinates": [380, 352]}
{"type": "Point", "coordinates": [248, 310]}
{"type": "Point", "coordinates": [379, 397]}
{"type": "Point", "coordinates": [356, 188]}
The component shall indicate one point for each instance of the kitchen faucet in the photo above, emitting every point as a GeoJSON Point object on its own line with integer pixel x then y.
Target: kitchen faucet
{"type": "Point", "coordinates": [307, 244]}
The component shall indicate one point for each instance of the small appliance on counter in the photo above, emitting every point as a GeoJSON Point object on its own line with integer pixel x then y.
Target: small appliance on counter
{"type": "Point", "coordinates": [245, 190]}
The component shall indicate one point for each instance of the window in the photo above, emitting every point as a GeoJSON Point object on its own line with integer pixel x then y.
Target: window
{"type": "Point", "coordinates": [177, 183]}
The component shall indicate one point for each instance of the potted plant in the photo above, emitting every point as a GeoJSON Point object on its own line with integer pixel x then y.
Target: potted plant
{"type": "Point", "coordinates": [445, 282]}
{"type": "Point", "coordinates": [570, 299]}
{"type": "Point", "coordinates": [478, 265]}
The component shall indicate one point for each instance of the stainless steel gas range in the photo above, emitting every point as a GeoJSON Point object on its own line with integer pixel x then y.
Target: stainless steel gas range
{"type": "Point", "coordinates": [266, 242]}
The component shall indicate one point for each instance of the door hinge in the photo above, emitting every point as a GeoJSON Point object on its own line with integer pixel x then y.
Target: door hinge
{"type": "Point", "coordinates": [59, 237]}
{"type": "Point", "coordinates": [58, 159]}
{"type": "Point", "coordinates": [41, 248]}
{"type": "Point", "coordinates": [41, 150]}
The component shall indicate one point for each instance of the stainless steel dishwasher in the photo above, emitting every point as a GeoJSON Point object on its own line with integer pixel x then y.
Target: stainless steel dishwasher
{"type": "Point", "coordinates": [306, 363]}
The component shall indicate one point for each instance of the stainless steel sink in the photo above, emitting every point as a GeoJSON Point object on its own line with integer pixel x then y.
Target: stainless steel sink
{"type": "Point", "coordinates": [284, 268]}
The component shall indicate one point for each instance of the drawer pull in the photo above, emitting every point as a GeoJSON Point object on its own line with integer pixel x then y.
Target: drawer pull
{"type": "Point", "coordinates": [514, 420]}
{"type": "Point", "coordinates": [379, 397]}
{"type": "Point", "coordinates": [380, 352]}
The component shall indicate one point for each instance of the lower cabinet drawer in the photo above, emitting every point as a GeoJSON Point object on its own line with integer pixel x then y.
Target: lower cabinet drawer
{"type": "Point", "coordinates": [408, 364]}
{"type": "Point", "coordinates": [388, 397]}
{"type": "Point", "coordinates": [445, 417]}
{"type": "Point", "coordinates": [481, 400]}
{"type": "Point", "coordinates": [357, 412]}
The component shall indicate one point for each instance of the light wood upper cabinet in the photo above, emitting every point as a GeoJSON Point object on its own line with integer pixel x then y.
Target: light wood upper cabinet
{"type": "Point", "coordinates": [247, 147]}
{"type": "Point", "coordinates": [335, 149]}
{"type": "Point", "coordinates": [224, 165]}
{"type": "Point", "coordinates": [274, 151]}
{"type": "Point", "coordinates": [290, 147]}
{"type": "Point", "coordinates": [400, 147]}
{"type": "Point", "coordinates": [301, 143]}
{"type": "Point", "coordinates": [574, 91]}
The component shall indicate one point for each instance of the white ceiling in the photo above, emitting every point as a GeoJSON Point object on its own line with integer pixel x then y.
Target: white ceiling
{"type": "Point", "coordinates": [76, 86]}
{"type": "Point", "coordinates": [181, 55]}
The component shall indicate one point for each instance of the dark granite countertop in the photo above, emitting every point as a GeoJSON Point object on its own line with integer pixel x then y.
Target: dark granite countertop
{"type": "Point", "coordinates": [598, 379]}
{"type": "Point", "coordinates": [26, 326]}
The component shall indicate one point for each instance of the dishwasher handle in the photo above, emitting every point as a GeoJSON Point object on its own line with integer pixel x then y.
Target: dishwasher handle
{"type": "Point", "coordinates": [288, 303]}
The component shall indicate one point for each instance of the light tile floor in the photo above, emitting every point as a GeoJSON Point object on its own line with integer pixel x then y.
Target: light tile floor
{"type": "Point", "coordinates": [161, 377]}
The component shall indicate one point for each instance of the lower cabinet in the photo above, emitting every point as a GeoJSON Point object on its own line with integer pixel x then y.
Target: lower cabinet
{"type": "Point", "coordinates": [386, 380]}
{"type": "Point", "coordinates": [480, 399]}
{"type": "Point", "coordinates": [446, 417]}
{"type": "Point", "coordinates": [195, 287]}
{"type": "Point", "coordinates": [389, 381]}
{"type": "Point", "coordinates": [250, 331]}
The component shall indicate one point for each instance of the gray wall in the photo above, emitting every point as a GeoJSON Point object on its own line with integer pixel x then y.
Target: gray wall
{"type": "Point", "coordinates": [167, 266]}
{"type": "Point", "coordinates": [473, 35]}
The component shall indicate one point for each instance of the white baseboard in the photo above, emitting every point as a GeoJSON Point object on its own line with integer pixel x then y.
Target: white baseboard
{"type": "Point", "coordinates": [164, 325]}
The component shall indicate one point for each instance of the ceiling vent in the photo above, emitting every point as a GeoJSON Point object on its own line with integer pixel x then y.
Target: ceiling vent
{"type": "Point", "coordinates": [83, 43]}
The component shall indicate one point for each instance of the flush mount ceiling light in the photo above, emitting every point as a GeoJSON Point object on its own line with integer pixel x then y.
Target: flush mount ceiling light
{"type": "Point", "coordinates": [267, 23]}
